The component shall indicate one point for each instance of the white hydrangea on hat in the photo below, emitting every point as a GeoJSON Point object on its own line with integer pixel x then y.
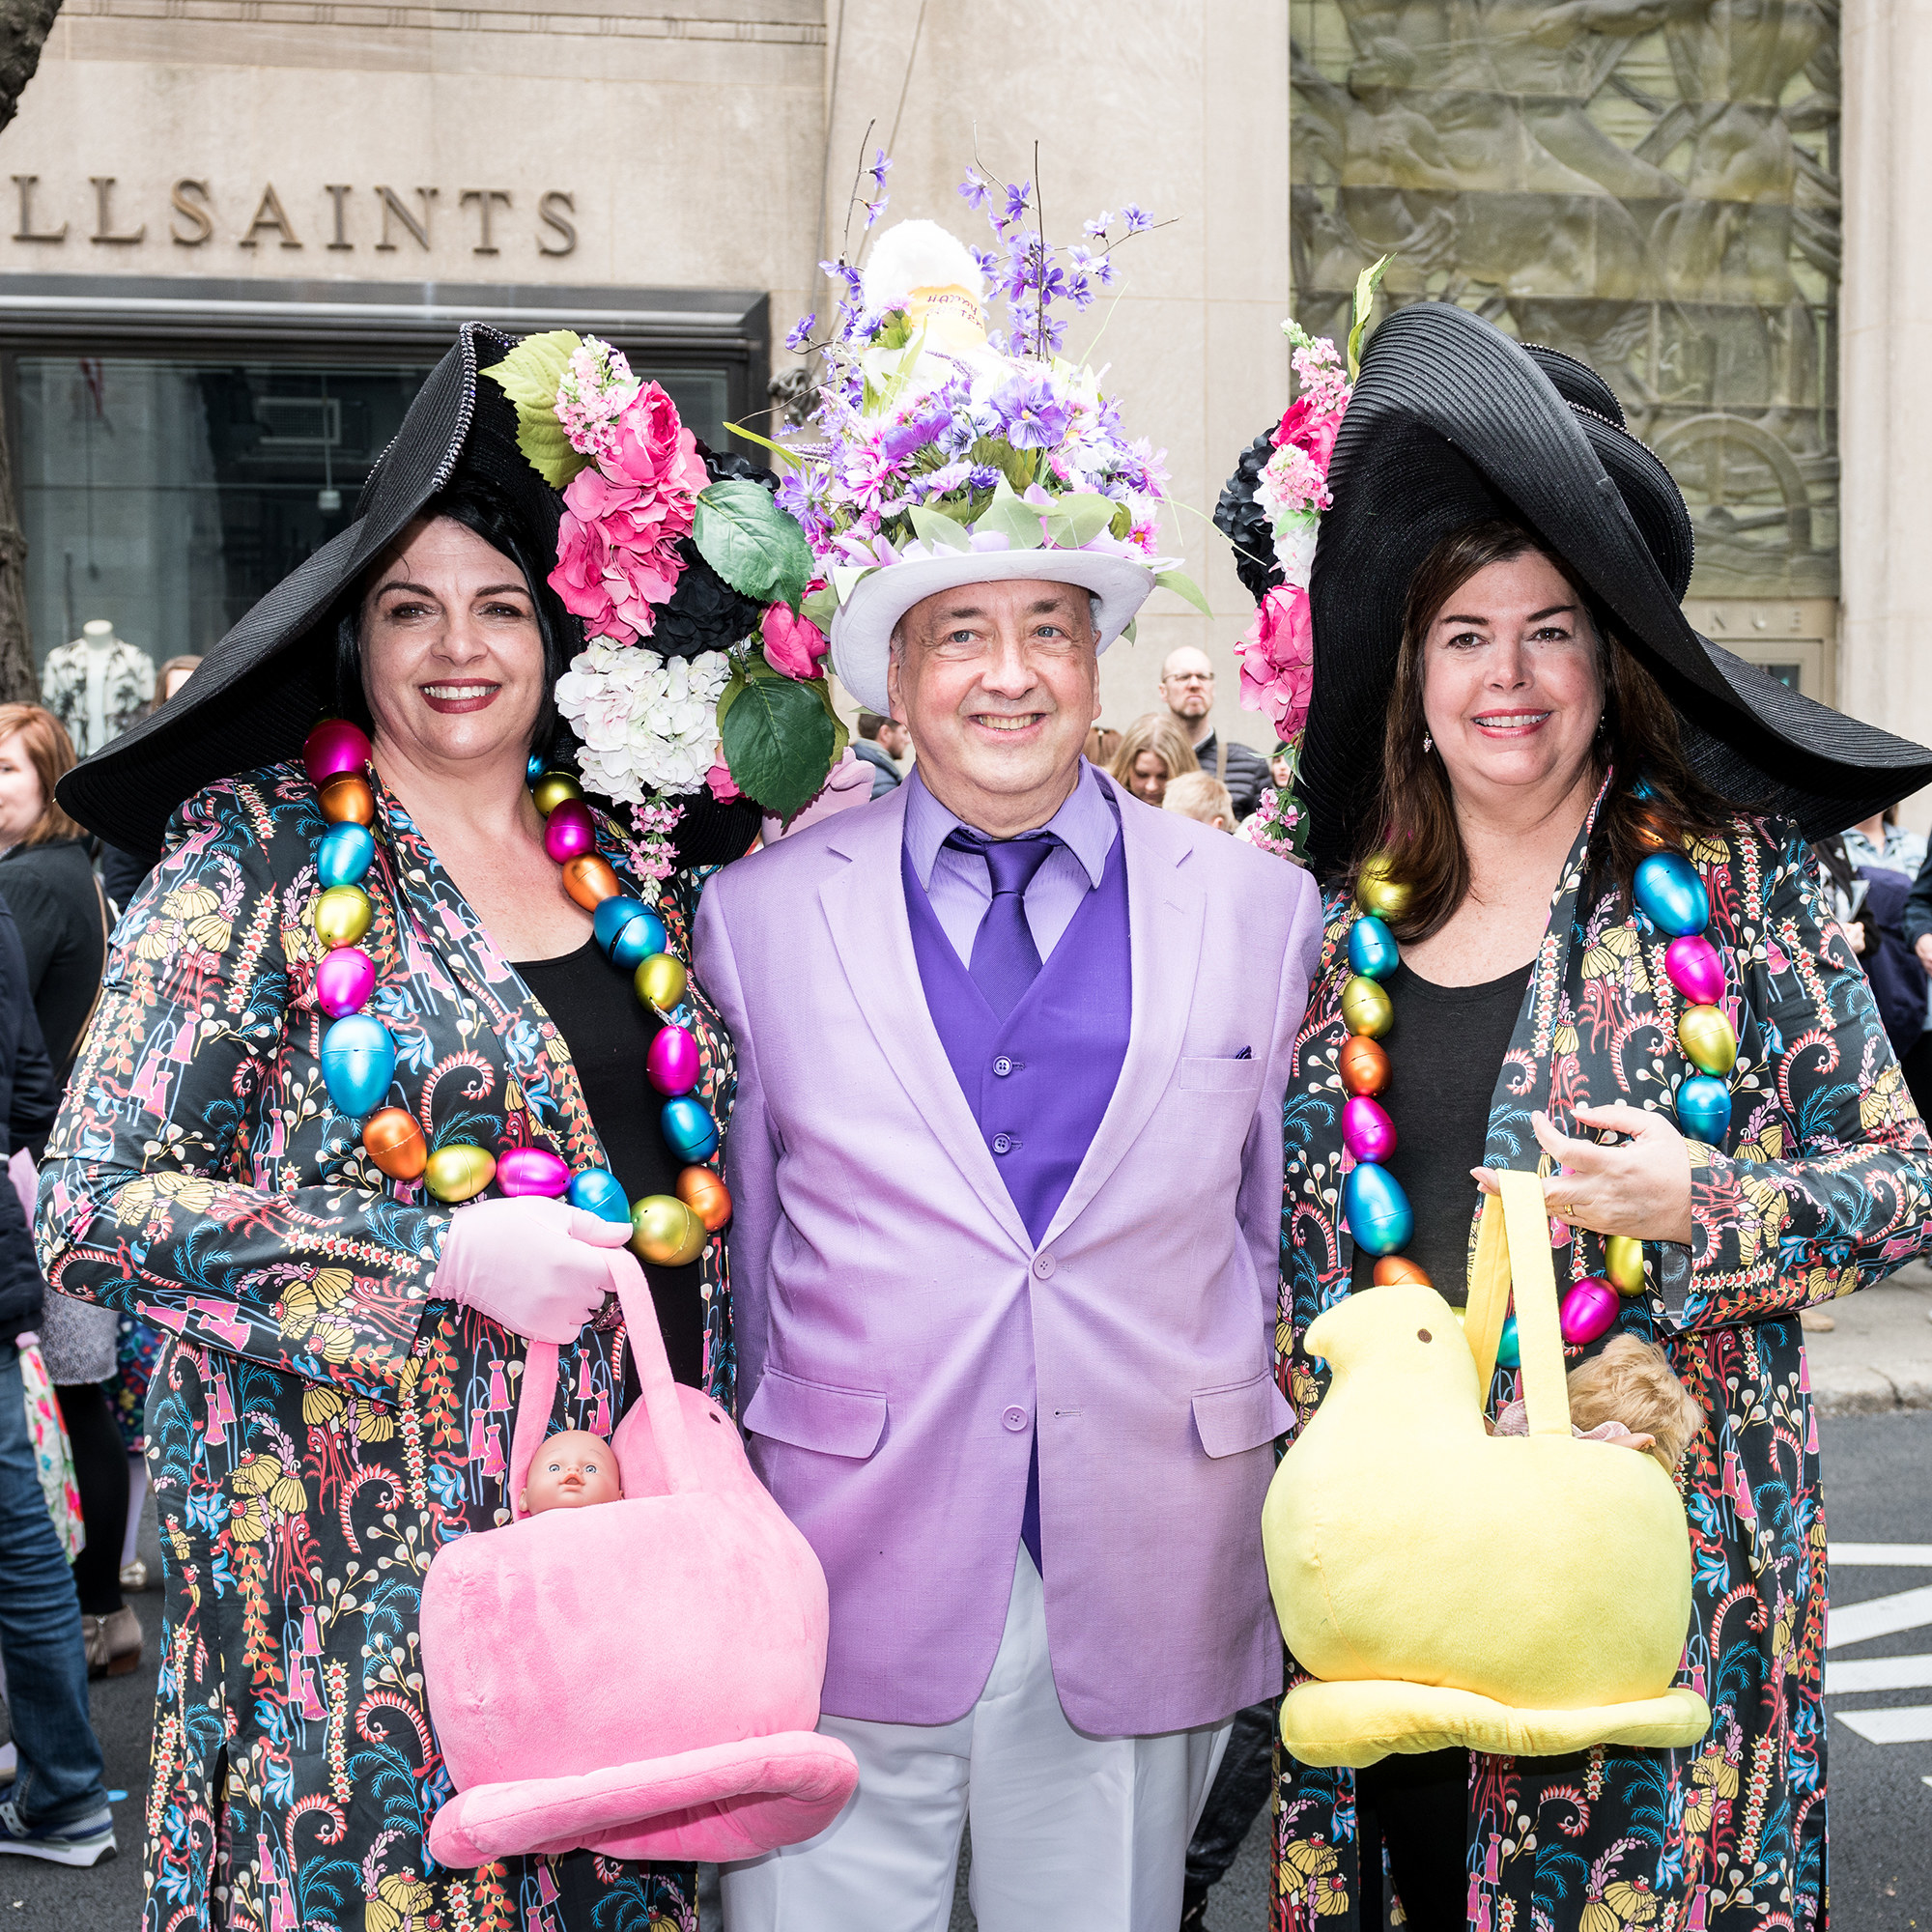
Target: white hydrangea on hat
{"type": "Point", "coordinates": [949, 453]}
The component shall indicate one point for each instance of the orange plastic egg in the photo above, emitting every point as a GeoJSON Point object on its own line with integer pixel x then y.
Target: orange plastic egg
{"type": "Point", "coordinates": [589, 880]}
{"type": "Point", "coordinates": [392, 1140]}
{"type": "Point", "coordinates": [706, 1196]}
{"type": "Point", "coordinates": [1393, 1269]}
{"type": "Point", "coordinates": [347, 797]}
{"type": "Point", "coordinates": [1364, 1066]}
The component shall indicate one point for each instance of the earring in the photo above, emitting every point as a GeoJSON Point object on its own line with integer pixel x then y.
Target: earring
{"type": "Point", "coordinates": [1427, 743]}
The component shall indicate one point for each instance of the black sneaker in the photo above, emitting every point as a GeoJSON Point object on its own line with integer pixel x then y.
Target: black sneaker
{"type": "Point", "coordinates": [1194, 1909]}
{"type": "Point", "coordinates": [81, 1841]}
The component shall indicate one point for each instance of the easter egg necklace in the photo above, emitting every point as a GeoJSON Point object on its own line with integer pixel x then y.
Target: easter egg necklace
{"type": "Point", "coordinates": [1671, 899]}
{"type": "Point", "coordinates": [358, 1052]}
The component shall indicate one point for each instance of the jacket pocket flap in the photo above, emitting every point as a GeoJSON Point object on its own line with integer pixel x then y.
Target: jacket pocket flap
{"type": "Point", "coordinates": [810, 1416]}
{"type": "Point", "coordinates": [1218, 1075]}
{"type": "Point", "coordinates": [1246, 1416]}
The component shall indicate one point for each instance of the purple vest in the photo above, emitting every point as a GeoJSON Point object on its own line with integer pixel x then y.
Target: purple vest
{"type": "Point", "coordinates": [1040, 1081]}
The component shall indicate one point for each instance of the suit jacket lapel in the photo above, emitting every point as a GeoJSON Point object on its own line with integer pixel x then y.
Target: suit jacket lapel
{"type": "Point", "coordinates": [865, 908]}
{"type": "Point", "coordinates": [1165, 915]}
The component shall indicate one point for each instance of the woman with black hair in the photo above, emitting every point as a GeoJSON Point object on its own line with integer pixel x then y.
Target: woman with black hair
{"type": "Point", "coordinates": [351, 1268]}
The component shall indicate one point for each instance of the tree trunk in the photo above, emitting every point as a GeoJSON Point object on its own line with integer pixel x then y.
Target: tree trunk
{"type": "Point", "coordinates": [24, 26]}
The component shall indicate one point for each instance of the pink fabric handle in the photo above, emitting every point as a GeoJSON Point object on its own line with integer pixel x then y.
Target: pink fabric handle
{"type": "Point", "coordinates": [537, 1395]}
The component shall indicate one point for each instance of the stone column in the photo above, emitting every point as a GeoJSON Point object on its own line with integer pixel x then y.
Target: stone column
{"type": "Point", "coordinates": [1885, 401]}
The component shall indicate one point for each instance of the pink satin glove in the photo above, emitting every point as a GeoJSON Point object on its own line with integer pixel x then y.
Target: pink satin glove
{"type": "Point", "coordinates": [536, 1265]}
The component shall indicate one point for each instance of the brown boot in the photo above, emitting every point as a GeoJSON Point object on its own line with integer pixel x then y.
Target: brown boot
{"type": "Point", "coordinates": [113, 1643]}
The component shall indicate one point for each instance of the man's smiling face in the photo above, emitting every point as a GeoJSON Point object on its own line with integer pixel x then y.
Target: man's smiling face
{"type": "Point", "coordinates": [997, 684]}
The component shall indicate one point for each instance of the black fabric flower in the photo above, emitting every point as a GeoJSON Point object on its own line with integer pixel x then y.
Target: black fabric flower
{"type": "Point", "coordinates": [1240, 517]}
{"type": "Point", "coordinates": [704, 612]}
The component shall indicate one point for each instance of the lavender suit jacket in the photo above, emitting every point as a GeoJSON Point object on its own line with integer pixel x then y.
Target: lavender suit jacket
{"type": "Point", "coordinates": [899, 1336]}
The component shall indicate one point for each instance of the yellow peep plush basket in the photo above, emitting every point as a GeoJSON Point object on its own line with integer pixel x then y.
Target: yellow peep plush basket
{"type": "Point", "coordinates": [1520, 1595]}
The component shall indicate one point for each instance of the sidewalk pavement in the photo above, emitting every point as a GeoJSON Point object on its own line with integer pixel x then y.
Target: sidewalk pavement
{"type": "Point", "coordinates": [1878, 1355]}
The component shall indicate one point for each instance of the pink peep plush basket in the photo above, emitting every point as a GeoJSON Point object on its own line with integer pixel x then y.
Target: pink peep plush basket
{"type": "Point", "coordinates": [639, 1678]}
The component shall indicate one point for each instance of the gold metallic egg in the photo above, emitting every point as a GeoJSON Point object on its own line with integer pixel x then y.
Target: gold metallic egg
{"type": "Point", "coordinates": [665, 1231]}
{"type": "Point", "coordinates": [347, 797]}
{"type": "Point", "coordinates": [342, 914]}
{"type": "Point", "coordinates": [706, 1196]}
{"type": "Point", "coordinates": [1366, 1008]}
{"type": "Point", "coordinates": [588, 879]}
{"type": "Point", "coordinates": [459, 1171]}
{"type": "Point", "coordinates": [1705, 1034]}
{"type": "Point", "coordinates": [1364, 1066]}
{"type": "Point", "coordinates": [660, 980]}
{"type": "Point", "coordinates": [1393, 1269]}
{"type": "Point", "coordinates": [392, 1140]}
{"type": "Point", "coordinates": [553, 788]}
{"type": "Point", "coordinates": [1623, 1263]}
{"type": "Point", "coordinates": [1376, 893]}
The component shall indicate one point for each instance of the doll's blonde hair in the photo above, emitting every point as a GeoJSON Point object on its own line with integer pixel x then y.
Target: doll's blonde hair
{"type": "Point", "coordinates": [1631, 1380]}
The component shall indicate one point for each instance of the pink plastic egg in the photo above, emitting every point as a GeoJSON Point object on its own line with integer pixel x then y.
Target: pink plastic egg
{"type": "Point", "coordinates": [1367, 1132]}
{"type": "Point", "coordinates": [1588, 1310]}
{"type": "Point", "coordinates": [529, 1170]}
{"type": "Point", "coordinates": [344, 981]}
{"type": "Point", "coordinates": [672, 1063]}
{"type": "Point", "coordinates": [568, 832]}
{"type": "Point", "coordinates": [334, 747]}
{"type": "Point", "coordinates": [1695, 969]}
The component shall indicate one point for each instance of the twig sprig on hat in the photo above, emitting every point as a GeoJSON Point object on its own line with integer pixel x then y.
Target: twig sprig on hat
{"type": "Point", "coordinates": [663, 541]}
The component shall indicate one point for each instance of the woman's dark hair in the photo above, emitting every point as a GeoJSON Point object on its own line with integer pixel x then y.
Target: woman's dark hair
{"type": "Point", "coordinates": [480, 508]}
{"type": "Point", "coordinates": [1415, 816]}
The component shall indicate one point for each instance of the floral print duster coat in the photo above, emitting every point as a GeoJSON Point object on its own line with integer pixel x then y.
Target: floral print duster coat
{"type": "Point", "coordinates": [318, 1424]}
{"type": "Point", "coordinates": [1824, 1187]}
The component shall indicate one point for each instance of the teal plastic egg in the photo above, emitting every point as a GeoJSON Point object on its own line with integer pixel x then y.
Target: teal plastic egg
{"type": "Point", "coordinates": [1671, 894]}
{"type": "Point", "coordinates": [1508, 1349]}
{"type": "Point", "coordinates": [628, 931]}
{"type": "Point", "coordinates": [1371, 949]}
{"type": "Point", "coordinates": [1378, 1210]}
{"type": "Point", "coordinates": [1704, 1109]}
{"type": "Point", "coordinates": [344, 853]}
{"type": "Point", "coordinates": [688, 1130]}
{"type": "Point", "coordinates": [598, 1191]}
{"type": "Point", "coordinates": [358, 1062]}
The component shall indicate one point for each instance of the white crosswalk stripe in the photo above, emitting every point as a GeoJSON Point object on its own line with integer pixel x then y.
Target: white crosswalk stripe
{"type": "Point", "coordinates": [1900, 1725]}
{"type": "Point", "coordinates": [1876, 1617]}
{"type": "Point", "coordinates": [1877, 1673]}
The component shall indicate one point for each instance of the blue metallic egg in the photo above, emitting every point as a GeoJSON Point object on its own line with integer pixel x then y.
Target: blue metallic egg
{"type": "Point", "coordinates": [344, 854]}
{"type": "Point", "coordinates": [596, 1190]}
{"type": "Point", "coordinates": [1379, 1216]}
{"type": "Point", "coordinates": [1508, 1349]}
{"type": "Point", "coordinates": [1672, 895]}
{"type": "Point", "coordinates": [358, 1062]}
{"type": "Point", "coordinates": [628, 931]}
{"type": "Point", "coordinates": [1704, 1109]}
{"type": "Point", "coordinates": [688, 1130]}
{"type": "Point", "coordinates": [534, 769]}
{"type": "Point", "coordinates": [1371, 947]}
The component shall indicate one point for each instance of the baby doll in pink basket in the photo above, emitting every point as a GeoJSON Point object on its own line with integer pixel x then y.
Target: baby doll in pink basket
{"type": "Point", "coordinates": [1626, 1394]}
{"type": "Point", "coordinates": [572, 1469]}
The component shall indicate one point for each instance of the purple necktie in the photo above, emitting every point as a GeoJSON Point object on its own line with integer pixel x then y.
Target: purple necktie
{"type": "Point", "coordinates": [1005, 961]}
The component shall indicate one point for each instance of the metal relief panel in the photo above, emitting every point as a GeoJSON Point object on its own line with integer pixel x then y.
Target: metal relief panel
{"type": "Point", "coordinates": [1651, 187]}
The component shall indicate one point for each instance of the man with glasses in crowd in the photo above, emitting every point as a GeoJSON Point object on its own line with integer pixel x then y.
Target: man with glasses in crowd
{"type": "Point", "coordinates": [1187, 689]}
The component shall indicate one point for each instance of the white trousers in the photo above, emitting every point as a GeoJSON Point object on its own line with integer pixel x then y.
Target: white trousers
{"type": "Point", "coordinates": [1076, 1833]}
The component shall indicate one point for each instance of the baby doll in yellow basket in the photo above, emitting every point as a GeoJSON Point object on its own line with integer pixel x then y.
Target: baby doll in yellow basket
{"type": "Point", "coordinates": [1626, 1394]}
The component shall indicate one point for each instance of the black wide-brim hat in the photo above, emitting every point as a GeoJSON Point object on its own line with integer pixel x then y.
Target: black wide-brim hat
{"type": "Point", "coordinates": [1452, 421]}
{"type": "Point", "coordinates": [257, 694]}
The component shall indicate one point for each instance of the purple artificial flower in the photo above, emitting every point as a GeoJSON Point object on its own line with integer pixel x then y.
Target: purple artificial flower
{"type": "Point", "coordinates": [983, 476]}
{"type": "Point", "coordinates": [988, 262]}
{"type": "Point", "coordinates": [875, 209]}
{"type": "Point", "coordinates": [975, 191]}
{"type": "Point", "coordinates": [1103, 273]}
{"type": "Point", "coordinates": [1096, 229]}
{"type": "Point", "coordinates": [1036, 418]}
{"type": "Point", "coordinates": [844, 271]}
{"type": "Point", "coordinates": [1080, 291]}
{"type": "Point", "coordinates": [1016, 202]}
{"type": "Point", "coordinates": [1137, 219]}
{"type": "Point", "coordinates": [801, 332]}
{"type": "Point", "coordinates": [882, 167]}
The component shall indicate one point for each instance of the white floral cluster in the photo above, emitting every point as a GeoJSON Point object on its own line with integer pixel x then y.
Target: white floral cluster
{"type": "Point", "coordinates": [646, 723]}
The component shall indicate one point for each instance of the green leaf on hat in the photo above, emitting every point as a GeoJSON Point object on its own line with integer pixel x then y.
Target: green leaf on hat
{"type": "Point", "coordinates": [1183, 586]}
{"type": "Point", "coordinates": [751, 543]}
{"type": "Point", "coordinates": [1019, 466]}
{"type": "Point", "coordinates": [1365, 301]}
{"type": "Point", "coordinates": [935, 526]}
{"type": "Point", "coordinates": [1017, 521]}
{"type": "Point", "coordinates": [821, 608]}
{"type": "Point", "coordinates": [1074, 522]}
{"type": "Point", "coordinates": [779, 738]}
{"type": "Point", "coordinates": [789, 458]}
{"type": "Point", "coordinates": [530, 376]}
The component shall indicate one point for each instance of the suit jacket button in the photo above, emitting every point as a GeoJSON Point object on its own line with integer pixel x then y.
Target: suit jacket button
{"type": "Point", "coordinates": [1003, 1143]}
{"type": "Point", "coordinates": [1015, 1419]}
{"type": "Point", "coordinates": [1043, 1267]}
{"type": "Point", "coordinates": [1002, 1067]}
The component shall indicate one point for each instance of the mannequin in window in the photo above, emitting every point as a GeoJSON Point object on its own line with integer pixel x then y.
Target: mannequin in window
{"type": "Point", "coordinates": [96, 685]}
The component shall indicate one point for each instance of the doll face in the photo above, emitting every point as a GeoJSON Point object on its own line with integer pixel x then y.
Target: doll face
{"type": "Point", "coordinates": [571, 1470]}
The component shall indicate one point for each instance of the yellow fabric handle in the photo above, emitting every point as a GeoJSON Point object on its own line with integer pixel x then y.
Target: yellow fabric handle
{"type": "Point", "coordinates": [1512, 1240]}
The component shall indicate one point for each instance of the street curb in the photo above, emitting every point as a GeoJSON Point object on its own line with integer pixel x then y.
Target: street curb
{"type": "Point", "coordinates": [1871, 1392]}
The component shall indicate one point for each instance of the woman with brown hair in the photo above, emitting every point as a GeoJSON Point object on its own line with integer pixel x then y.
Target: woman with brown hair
{"type": "Point", "coordinates": [1574, 930]}
{"type": "Point", "coordinates": [1151, 752]}
{"type": "Point", "coordinates": [46, 877]}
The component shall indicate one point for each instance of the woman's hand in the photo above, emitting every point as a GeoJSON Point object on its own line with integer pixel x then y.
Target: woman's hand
{"type": "Point", "coordinates": [535, 1265]}
{"type": "Point", "coordinates": [1640, 1188]}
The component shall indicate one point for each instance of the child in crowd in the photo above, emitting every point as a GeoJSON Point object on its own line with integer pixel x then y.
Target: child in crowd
{"type": "Point", "coordinates": [572, 1470]}
{"type": "Point", "coordinates": [1199, 795]}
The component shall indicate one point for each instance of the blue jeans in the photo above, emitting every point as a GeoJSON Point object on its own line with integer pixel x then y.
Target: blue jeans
{"type": "Point", "coordinates": [59, 1779]}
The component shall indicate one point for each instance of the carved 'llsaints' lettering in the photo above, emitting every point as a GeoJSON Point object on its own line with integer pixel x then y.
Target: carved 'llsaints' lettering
{"type": "Point", "coordinates": [190, 199]}
{"type": "Point", "coordinates": [393, 206]}
{"type": "Point", "coordinates": [270, 218]}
